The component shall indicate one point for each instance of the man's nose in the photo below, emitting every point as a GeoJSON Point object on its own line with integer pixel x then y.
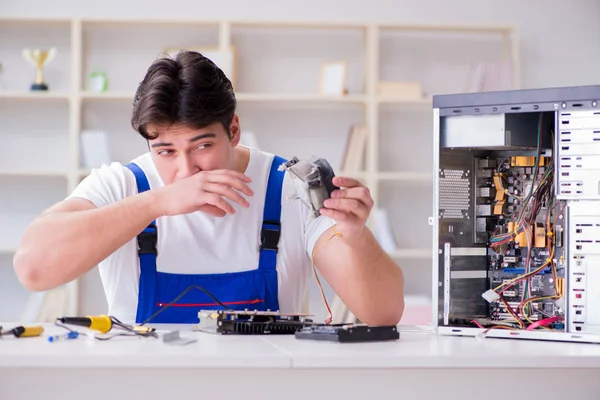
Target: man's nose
{"type": "Point", "coordinates": [187, 167]}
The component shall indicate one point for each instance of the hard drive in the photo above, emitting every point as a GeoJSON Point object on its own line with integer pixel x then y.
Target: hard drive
{"type": "Point", "coordinates": [349, 333]}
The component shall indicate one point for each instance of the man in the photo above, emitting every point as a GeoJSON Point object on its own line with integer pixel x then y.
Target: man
{"type": "Point", "coordinates": [202, 222]}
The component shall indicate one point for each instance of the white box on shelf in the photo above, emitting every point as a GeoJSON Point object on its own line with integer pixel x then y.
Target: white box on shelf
{"type": "Point", "coordinates": [400, 90]}
{"type": "Point", "coordinates": [333, 78]}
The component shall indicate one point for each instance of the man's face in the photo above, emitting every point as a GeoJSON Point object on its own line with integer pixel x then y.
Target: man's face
{"type": "Point", "coordinates": [180, 152]}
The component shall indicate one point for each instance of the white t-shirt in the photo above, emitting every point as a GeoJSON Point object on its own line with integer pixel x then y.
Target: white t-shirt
{"type": "Point", "coordinates": [199, 243]}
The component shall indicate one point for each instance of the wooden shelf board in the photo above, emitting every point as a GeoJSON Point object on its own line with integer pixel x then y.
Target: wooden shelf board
{"type": "Point", "coordinates": [243, 97]}
{"type": "Point", "coordinates": [352, 174]}
{"type": "Point", "coordinates": [35, 21]}
{"type": "Point", "coordinates": [298, 24]}
{"type": "Point", "coordinates": [298, 97]}
{"type": "Point", "coordinates": [236, 23]}
{"type": "Point", "coordinates": [404, 176]}
{"type": "Point", "coordinates": [409, 102]}
{"type": "Point", "coordinates": [7, 250]}
{"type": "Point", "coordinates": [110, 95]}
{"type": "Point", "coordinates": [33, 173]}
{"type": "Point", "coordinates": [150, 21]}
{"type": "Point", "coordinates": [450, 28]}
{"type": "Point", "coordinates": [411, 253]}
{"type": "Point", "coordinates": [24, 95]}
{"type": "Point", "coordinates": [268, 23]}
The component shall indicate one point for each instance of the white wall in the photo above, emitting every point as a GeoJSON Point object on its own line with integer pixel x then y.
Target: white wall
{"type": "Point", "coordinates": [560, 46]}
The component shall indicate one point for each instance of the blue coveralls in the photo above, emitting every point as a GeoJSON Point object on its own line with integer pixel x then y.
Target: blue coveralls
{"type": "Point", "coordinates": [255, 289]}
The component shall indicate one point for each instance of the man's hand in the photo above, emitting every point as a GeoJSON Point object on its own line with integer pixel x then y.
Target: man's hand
{"type": "Point", "coordinates": [350, 206]}
{"type": "Point", "coordinates": [205, 191]}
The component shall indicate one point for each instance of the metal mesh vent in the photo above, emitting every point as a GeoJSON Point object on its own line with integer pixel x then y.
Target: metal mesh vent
{"type": "Point", "coordinates": [455, 193]}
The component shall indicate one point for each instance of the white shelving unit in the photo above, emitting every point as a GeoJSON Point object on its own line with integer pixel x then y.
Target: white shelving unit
{"type": "Point", "coordinates": [276, 78]}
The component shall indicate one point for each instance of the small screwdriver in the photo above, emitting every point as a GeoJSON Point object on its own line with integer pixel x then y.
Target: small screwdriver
{"type": "Point", "coordinates": [22, 331]}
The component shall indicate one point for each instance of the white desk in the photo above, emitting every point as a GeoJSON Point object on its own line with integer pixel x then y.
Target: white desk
{"type": "Point", "coordinates": [418, 366]}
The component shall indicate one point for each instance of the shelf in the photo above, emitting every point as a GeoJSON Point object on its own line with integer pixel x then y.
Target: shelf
{"type": "Point", "coordinates": [298, 25]}
{"type": "Point", "coordinates": [18, 74]}
{"type": "Point", "coordinates": [405, 176]}
{"type": "Point", "coordinates": [408, 102]}
{"type": "Point", "coordinates": [391, 176]}
{"type": "Point", "coordinates": [38, 134]}
{"type": "Point", "coordinates": [245, 97]}
{"type": "Point", "coordinates": [292, 97]}
{"type": "Point", "coordinates": [22, 95]}
{"type": "Point", "coordinates": [33, 173]}
{"type": "Point", "coordinates": [411, 253]}
{"type": "Point", "coordinates": [7, 250]}
{"type": "Point", "coordinates": [136, 46]}
{"type": "Point", "coordinates": [103, 22]}
{"type": "Point", "coordinates": [387, 176]}
{"type": "Point", "coordinates": [114, 95]}
{"type": "Point", "coordinates": [267, 23]}
{"type": "Point", "coordinates": [352, 174]}
{"type": "Point", "coordinates": [35, 21]}
{"type": "Point", "coordinates": [502, 29]}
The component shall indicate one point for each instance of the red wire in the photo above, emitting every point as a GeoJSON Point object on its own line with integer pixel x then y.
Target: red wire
{"type": "Point", "coordinates": [545, 321]}
{"type": "Point", "coordinates": [478, 324]}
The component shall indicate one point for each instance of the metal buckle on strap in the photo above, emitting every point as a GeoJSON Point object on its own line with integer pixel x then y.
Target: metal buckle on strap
{"type": "Point", "coordinates": [269, 237]}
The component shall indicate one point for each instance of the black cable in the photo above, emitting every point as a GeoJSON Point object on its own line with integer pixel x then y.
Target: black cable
{"type": "Point", "coordinates": [536, 169]}
{"type": "Point", "coordinates": [66, 327]}
{"type": "Point", "coordinates": [543, 191]}
{"type": "Point", "coordinates": [132, 332]}
{"type": "Point", "coordinates": [117, 322]}
{"type": "Point", "coordinates": [179, 297]}
{"type": "Point", "coordinates": [108, 337]}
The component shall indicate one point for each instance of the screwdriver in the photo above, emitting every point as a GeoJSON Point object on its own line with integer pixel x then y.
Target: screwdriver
{"type": "Point", "coordinates": [22, 331]}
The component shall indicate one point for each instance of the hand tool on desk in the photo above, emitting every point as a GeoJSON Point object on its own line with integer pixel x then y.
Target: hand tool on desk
{"type": "Point", "coordinates": [104, 323]}
{"type": "Point", "coordinates": [23, 331]}
{"type": "Point", "coordinates": [101, 323]}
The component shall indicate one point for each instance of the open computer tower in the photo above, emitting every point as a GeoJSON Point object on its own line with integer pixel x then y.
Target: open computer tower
{"type": "Point", "coordinates": [516, 221]}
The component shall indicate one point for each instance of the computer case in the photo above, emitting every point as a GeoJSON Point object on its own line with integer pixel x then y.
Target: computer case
{"type": "Point", "coordinates": [516, 218]}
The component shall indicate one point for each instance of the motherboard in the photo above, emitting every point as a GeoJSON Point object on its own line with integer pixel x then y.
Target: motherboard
{"type": "Point", "coordinates": [524, 228]}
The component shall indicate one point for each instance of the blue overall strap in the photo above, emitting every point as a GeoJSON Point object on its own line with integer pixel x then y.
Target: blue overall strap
{"type": "Point", "coordinates": [147, 240]}
{"type": "Point", "coordinates": [271, 226]}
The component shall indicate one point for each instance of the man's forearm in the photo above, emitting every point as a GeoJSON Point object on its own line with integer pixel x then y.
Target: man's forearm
{"type": "Point", "coordinates": [61, 245]}
{"type": "Point", "coordinates": [373, 288]}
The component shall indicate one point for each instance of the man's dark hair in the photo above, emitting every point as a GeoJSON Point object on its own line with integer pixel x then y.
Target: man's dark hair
{"type": "Point", "coordinates": [189, 90]}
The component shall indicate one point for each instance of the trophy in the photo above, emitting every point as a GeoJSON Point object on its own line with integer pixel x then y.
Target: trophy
{"type": "Point", "coordinates": [39, 59]}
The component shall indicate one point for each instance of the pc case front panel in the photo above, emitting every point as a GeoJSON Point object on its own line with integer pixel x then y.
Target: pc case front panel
{"type": "Point", "coordinates": [462, 267]}
{"type": "Point", "coordinates": [579, 154]}
{"type": "Point", "coordinates": [583, 286]}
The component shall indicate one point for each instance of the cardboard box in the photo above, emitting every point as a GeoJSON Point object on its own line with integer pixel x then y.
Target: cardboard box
{"type": "Point", "coordinates": [400, 90]}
